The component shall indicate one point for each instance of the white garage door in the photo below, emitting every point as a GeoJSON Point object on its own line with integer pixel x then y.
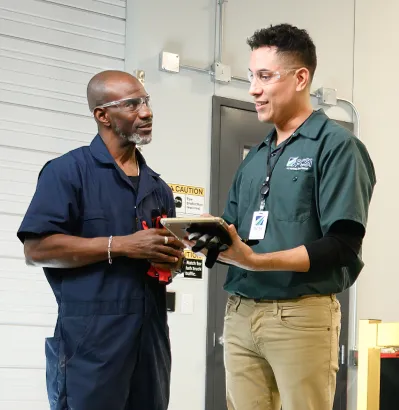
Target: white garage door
{"type": "Point", "coordinates": [48, 52]}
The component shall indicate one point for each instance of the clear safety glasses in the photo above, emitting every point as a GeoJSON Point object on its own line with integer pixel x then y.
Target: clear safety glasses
{"type": "Point", "coordinates": [266, 77]}
{"type": "Point", "coordinates": [128, 104]}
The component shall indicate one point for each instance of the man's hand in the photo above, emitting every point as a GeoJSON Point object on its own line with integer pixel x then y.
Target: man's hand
{"type": "Point", "coordinates": [238, 254]}
{"type": "Point", "coordinates": [150, 244]}
{"type": "Point", "coordinates": [205, 244]}
{"type": "Point", "coordinates": [173, 267]}
{"type": "Point", "coordinates": [241, 255]}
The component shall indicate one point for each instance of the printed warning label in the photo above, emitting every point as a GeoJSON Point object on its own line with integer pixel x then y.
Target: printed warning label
{"type": "Point", "coordinates": [189, 200]}
{"type": "Point", "coordinates": [194, 265]}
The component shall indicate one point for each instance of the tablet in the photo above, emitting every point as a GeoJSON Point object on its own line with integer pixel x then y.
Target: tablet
{"type": "Point", "coordinates": [213, 226]}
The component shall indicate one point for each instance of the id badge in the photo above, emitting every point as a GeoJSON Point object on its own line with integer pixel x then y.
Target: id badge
{"type": "Point", "coordinates": [258, 226]}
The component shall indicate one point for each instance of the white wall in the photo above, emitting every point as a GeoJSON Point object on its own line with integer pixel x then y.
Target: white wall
{"type": "Point", "coordinates": [375, 94]}
{"type": "Point", "coordinates": [182, 113]}
{"type": "Point", "coordinates": [180, 150]}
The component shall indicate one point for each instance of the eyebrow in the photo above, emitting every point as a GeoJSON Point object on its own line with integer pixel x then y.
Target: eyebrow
{"type": "Point", "coordinates": [261, 69]}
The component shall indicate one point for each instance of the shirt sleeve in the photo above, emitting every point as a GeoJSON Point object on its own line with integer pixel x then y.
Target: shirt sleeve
{"type": "Point", "coordinates": [347, 180]}
{"type": "Point", "coordinates": [338, 248]}
{"type": "Point", "coordinates": [55, 205]}
{"type": "Point", "coordinates": [230, 214]}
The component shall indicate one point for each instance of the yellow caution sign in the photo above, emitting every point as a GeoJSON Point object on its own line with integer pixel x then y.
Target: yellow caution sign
{"type": "Point", "coordinates": [187, 189]}
{"type": "Point", "coordinates": [194, 265]}
{"type": "Point", "coordinates": [190, 254]}
{"type": "Point", "coordinates": [189, 200]}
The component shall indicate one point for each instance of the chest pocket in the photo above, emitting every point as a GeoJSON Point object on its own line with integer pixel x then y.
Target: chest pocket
{"type": "Point", "coordinates": [292, 196]}
{"type": "Point", "coordinates": [94, 224]}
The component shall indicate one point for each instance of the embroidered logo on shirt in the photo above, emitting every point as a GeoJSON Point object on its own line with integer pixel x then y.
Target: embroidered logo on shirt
{"type": "Point", "coordinates": [299, 164]}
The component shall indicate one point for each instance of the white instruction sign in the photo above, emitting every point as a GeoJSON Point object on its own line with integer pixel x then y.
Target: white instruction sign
{"type": "Point", "coordinates": [189, 200]}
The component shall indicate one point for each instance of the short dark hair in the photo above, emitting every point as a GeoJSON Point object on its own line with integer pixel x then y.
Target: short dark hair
{"type": "Point", "coordinates": [290, 41]}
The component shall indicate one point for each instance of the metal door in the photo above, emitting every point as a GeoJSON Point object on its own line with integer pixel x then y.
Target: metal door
{"type": "Point", "coordinates": [235, 129]}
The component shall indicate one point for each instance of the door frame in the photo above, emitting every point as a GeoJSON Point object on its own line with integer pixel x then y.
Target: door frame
{"type": "Point", "coordinates": [211, 342]}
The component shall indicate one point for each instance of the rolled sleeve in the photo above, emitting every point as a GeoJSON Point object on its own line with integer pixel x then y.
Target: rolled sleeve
{"type": "Point", "coordinates": [230, 213]}
{"type": "Point", "coordinates": [231, 210]}
{"type": "Point", "coordinates": [54, 206]}
{"type": "Point", "coordinates": [347, 180]}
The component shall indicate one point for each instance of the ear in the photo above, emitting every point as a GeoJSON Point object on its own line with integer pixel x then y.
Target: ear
{"type": "Point", "coordinates": [302, 78]}
{"type": "Point", "coordinates": [101, 116]}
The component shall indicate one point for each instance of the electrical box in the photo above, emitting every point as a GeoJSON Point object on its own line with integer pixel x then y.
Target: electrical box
{"type": "Point", "coordinates": [222, 72]}
{"type": "Point", "coordinates": [169, 62]}
{"type": "Point", "coordinates": [170, 301]}
{"type": "Point", "coordinates": [327, 96]}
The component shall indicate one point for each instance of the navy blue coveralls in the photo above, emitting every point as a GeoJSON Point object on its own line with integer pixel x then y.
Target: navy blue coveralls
{"type": "Point", "coordinates": [110, 349]}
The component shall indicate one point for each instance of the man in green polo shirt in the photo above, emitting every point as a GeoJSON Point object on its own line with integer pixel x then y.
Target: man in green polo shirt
{"type": "Point", "coordinates": [304, 194]}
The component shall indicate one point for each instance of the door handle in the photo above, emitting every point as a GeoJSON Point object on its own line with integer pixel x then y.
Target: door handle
{"type": "Point", "coordinates": [342, 355]}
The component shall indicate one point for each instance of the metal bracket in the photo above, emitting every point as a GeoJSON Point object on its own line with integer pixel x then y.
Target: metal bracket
{"type": "Point", "coordinates": [353, 357]}
{"type": "Point", "coordinates": [326, 96]}
{"type": "Point", "coordinates": [222, 72]}
{"type": "Point", "coordinates": [140, 75]}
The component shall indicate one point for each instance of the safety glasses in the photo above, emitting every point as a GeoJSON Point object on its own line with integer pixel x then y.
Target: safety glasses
{"type": "Point", "coordinates": [128, 104]}
{"type": "Point", "coordinates": [266, 77]}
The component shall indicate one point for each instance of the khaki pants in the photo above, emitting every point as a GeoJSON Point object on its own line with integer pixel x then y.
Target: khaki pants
{"type": "Point", "coordinates": [281, 353]}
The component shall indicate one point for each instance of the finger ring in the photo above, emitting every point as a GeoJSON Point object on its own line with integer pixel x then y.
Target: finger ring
{"type": "Point", "coordinates": [166, 240]}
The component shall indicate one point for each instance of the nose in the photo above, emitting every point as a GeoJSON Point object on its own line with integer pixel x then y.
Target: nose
{"type": "Point", "coordinates": [145, 111]}
{"type": "Point", "coordinates": [254, 88]}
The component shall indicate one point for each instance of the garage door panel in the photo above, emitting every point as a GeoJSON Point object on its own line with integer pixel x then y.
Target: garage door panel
{"type": "Point", "coordinates": [11, 249]}
{"type": "Point", "coordinates": [39, 318]}
{"type": "Point", "coordinates": [54, 143]}
{"type": "Point", "coordinates": [12, 206]}
{"type": "Point", "coordinates": [47, 131]}
{"type": "Point", "coordinates": [31, 99]}
{"type": "Point", "coordinates": [30, 284]}
{"type": "Point", "coordinates": [18, 267]}
{"type": "Point", "coordinates": [24, 157]}
{"type": "Point", "coordinates": [72, 27]}
{"type": "Point", "coordinates": [114, 8]}
{"type": "Point", "coordinates": [46, 35]}
{"type": "Point", "coordinates": [20, 65]}
{"type": "Point", "coordinates": [18, 188]}
{"type": "Point", "coordinates": [39, 82]}
{"type": "Point", "coordinates": [41, 300]}
{"type": "Point", "coordinates": [23, 405]}
{"type": "Point", "coordinates": [54, 12]}
{"type": "Point", "coordinates": [41, 118]}
{"type": "Point", "coordinates": [23, 389]}
{"type": "Point", "coordinates": [13, 174]}
{"type": "Point", "coordinates": [49, 50]}
{"type": "Point", "coordinates": [20, 90]}
{"type": "Point", "coordinates": [24, 346]}
{"type": "Point", "coordinates": [64, 58]}
{"type": "Point", "coordinates": [20, 282]}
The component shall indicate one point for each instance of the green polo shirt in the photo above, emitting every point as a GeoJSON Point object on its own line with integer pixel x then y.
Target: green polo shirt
{"type": "Point", "coordinates": [323, 175]}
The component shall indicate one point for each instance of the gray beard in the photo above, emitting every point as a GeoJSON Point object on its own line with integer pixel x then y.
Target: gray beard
{"type": "Point", "coordinates": [134, 138]}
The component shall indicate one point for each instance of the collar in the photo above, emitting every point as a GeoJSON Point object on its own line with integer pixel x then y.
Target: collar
{"type": "Point", "coordinates": [100, 152]}
{"type": "Point", "coordinates": [310, 129]}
